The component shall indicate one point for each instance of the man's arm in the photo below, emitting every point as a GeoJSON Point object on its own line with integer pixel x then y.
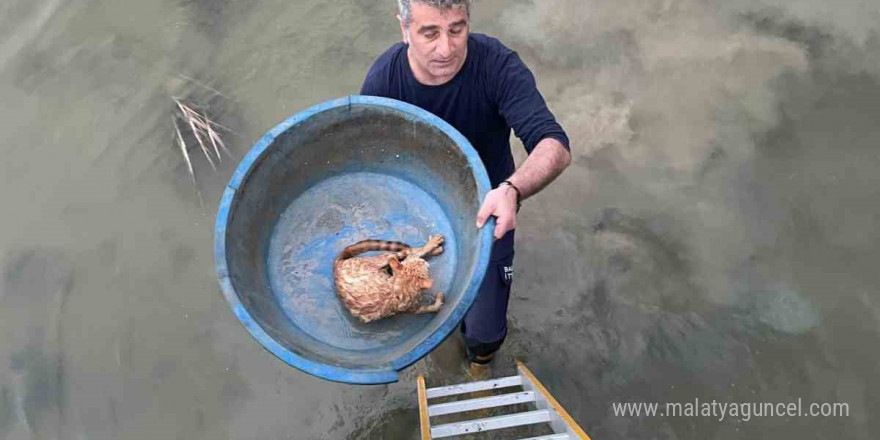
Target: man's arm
{"type": "Point", "coordinates": [525, 110]}
{"type": "Point", "coordinates": [545, 163]}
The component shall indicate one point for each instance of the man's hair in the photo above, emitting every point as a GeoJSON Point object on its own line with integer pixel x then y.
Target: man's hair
{"type": "Point", "coordinates": [406, 6]}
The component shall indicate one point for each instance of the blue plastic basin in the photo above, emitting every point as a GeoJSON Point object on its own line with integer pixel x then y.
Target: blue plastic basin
{"type": "Point", "coordinates": [342, 171]}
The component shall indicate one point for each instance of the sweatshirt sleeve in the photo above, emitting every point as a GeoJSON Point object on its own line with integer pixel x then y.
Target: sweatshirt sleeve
{"type": "Point", "coordinates": [522, 105]}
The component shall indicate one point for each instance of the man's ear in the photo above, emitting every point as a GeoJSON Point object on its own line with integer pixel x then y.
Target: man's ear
{"type": "Point", "coordinates": [404, 34]}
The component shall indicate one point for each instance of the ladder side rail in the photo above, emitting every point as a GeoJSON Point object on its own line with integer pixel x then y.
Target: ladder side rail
{"type": "Point", "coordinates": [424, 419]}
{"type": "Point", "coordinates": [541, 403]}
{"type": "Point", "coordinates": [561, 421]}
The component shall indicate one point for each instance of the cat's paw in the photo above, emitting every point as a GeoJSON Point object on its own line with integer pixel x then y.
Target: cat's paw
{"type": "Point", "coordinates": [436, 240]}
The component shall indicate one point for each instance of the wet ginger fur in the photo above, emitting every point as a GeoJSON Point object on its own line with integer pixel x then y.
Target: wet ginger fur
{"type": "Point", "coordinates": [371, 292]}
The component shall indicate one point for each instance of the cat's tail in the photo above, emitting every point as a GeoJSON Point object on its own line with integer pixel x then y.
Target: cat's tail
{"type": "Point", "coordinates": [371, 245]}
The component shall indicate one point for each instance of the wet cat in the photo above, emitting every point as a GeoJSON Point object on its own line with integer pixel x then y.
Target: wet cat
{"type": "Point", "coordinates": [370, 292]}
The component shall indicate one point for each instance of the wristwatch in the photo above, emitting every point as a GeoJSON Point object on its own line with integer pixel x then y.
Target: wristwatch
{"type": "Point", "coordinates": [518, 194]}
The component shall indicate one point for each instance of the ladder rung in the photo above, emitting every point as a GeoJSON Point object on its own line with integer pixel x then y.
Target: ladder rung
{"type": "Point", "coordinates": [484, 402]}
{"type": "Point", "coordinates": [452, 390]}
{"type": "Point", "coordinates": [487, 424]}
{"type": "Point", "coordinates": [549, 437]}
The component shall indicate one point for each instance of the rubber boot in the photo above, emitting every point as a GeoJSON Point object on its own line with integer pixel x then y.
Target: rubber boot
{"type": "Point", "coordinates": [479, 369]}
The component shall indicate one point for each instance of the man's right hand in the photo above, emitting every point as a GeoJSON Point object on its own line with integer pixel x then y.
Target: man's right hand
{"type": "Point", "coordinates": [500, 203]}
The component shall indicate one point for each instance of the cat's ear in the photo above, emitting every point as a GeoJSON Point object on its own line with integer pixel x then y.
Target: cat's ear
{"type": "Point", "coordinates": [394, 263]}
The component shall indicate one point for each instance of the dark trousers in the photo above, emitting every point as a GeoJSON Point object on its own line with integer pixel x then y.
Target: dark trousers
{"type": "Point", "coordinates": [485, 325]}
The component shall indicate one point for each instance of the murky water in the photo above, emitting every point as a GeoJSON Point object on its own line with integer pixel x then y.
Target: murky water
{"type": "Point", "coordinates": [715, 238]}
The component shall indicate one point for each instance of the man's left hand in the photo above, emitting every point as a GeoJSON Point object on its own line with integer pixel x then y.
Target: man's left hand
{"type": "Point", "coordinates": [500, 203]}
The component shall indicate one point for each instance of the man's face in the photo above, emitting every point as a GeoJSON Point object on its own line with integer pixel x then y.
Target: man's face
{"type": "Point", "coordinates": [437, 41]}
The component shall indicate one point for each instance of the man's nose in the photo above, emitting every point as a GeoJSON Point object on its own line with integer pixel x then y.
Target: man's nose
{"type": "Point", "coordinates": [444, 46]}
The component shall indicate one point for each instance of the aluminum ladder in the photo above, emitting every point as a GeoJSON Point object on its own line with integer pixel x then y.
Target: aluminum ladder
{"type": "Point", "coordinates": [546, 408]}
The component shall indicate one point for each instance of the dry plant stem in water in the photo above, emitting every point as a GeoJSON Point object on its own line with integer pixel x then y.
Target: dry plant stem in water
{"type": "Point", "coordinates": [183, 151]}
{"type": "Point", "coordinates": [203, 129]}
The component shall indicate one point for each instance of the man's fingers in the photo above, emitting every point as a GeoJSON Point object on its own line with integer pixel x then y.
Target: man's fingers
{"type": "Point", "coordinates": [499, 231]}
{"type": "Point", "coordinates": [505, 213]}
{"type": "Point", "coordinates": [503, 226]}
{"type": "Point", "coordinates": [484, 212]}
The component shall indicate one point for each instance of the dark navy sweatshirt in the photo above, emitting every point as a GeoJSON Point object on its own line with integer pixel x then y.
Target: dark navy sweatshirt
{"type": "Point", "coordinates": [493, 92]}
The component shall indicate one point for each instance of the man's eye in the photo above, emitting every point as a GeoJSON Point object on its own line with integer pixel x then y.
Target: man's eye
{"type": "Point", "coordinates": [431, 35]}
{"type": "Point", "coordinates": [455, 31]}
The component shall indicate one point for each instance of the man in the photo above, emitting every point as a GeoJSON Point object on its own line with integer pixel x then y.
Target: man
{"type": "Point", "coordinates": [483, 89]}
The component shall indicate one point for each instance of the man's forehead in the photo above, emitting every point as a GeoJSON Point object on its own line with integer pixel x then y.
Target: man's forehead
{"type": "Point", "coordinates": [426, 15]}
